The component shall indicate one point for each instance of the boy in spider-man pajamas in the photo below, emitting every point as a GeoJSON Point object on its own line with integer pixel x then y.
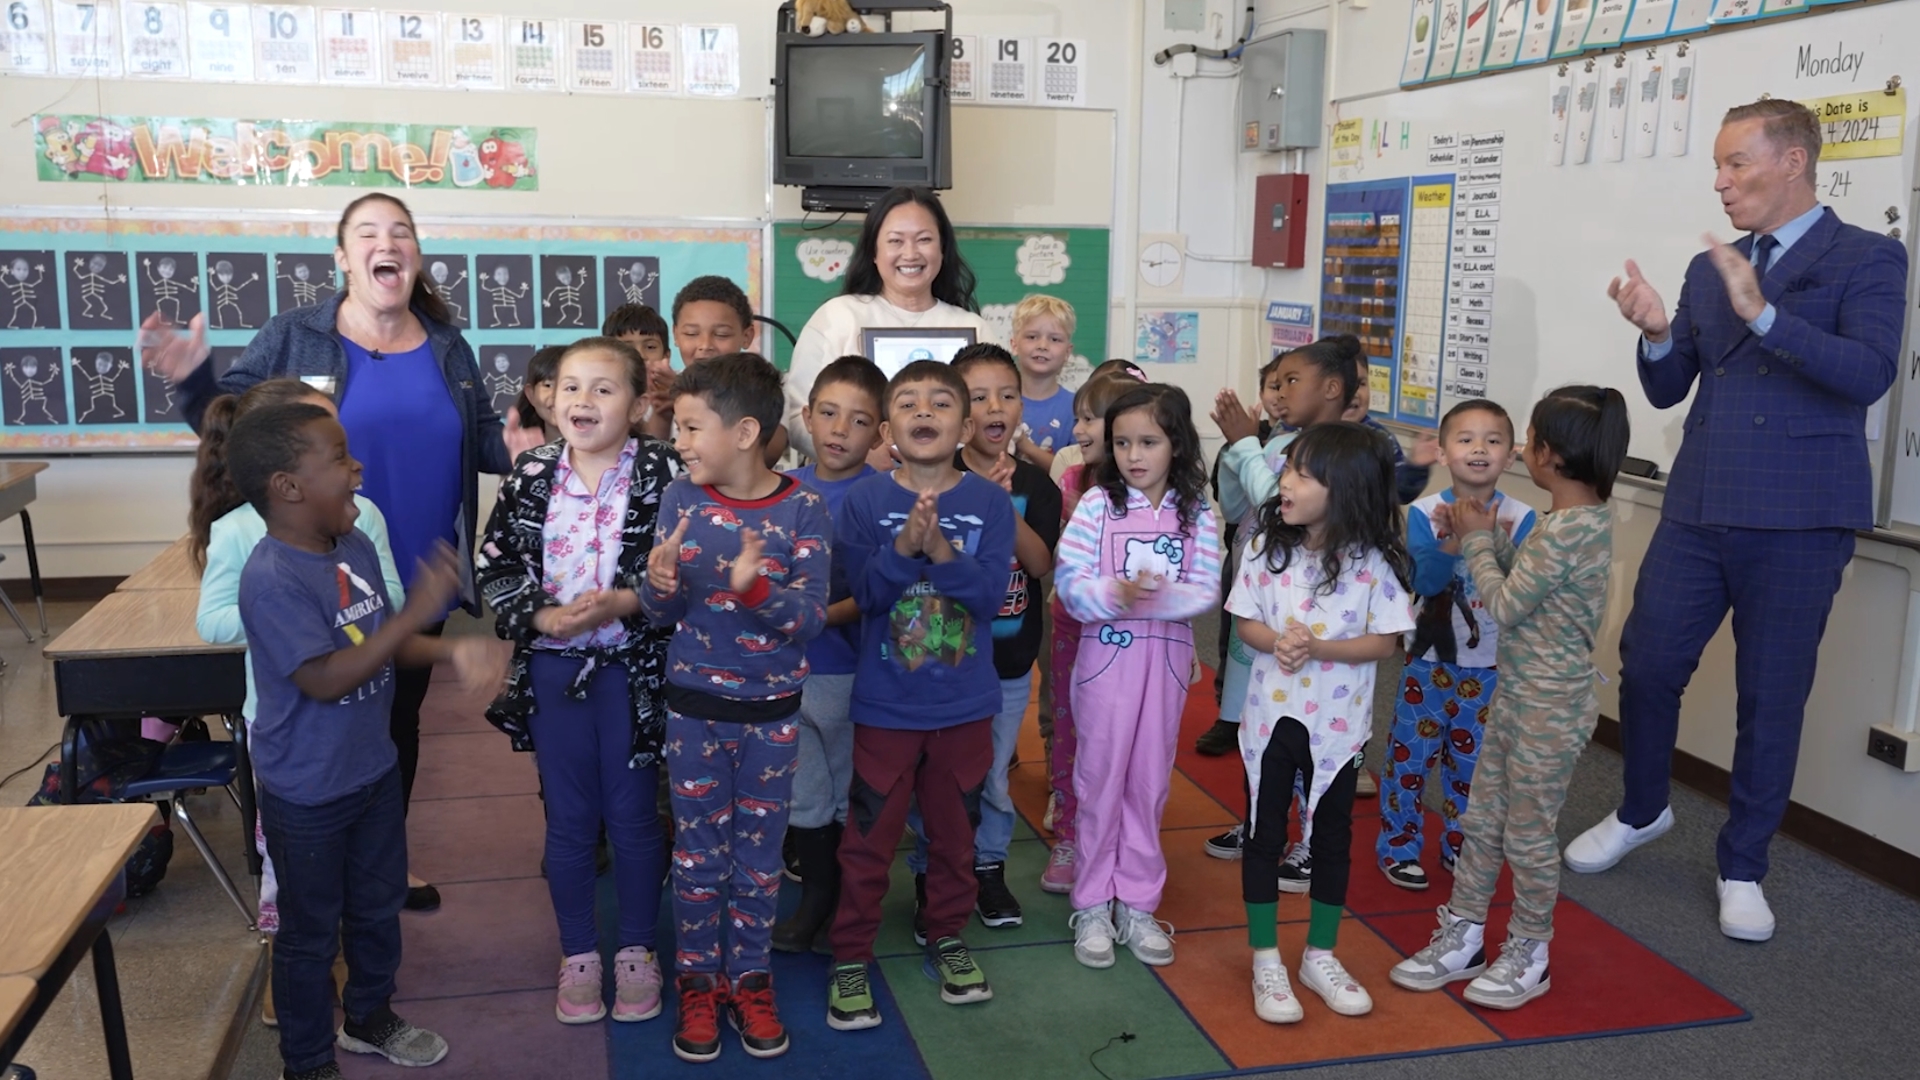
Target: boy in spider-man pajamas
{"type": "Point", "coordinates": [1441, 716]}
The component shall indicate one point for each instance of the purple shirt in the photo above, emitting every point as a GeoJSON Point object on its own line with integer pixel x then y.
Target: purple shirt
{"type": "Point", "coordinates": [581, 541]}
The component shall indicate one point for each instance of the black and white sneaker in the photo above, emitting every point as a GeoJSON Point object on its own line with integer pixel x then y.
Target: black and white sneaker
{"type": "Point", "coordinates": [1296, 871]}
{"type": "Point", "coordinates": [387, 1035]}
{"type": "Point", "coordinates": [996, 903]}
{"type": "Point", "coordinates": [1227, 845]}
{"type": "Point", "coordinates": [1407, 874]}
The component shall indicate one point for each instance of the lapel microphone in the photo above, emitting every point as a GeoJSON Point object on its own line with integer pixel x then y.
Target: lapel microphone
{"type": "Point", "coordinates": [376, 354]}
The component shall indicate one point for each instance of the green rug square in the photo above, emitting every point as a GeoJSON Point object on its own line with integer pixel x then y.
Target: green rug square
{"type": "Point", "coordinates": [1044, 915]}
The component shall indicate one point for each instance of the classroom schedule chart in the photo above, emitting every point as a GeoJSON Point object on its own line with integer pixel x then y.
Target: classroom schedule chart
{"type": "Point", "coordinates": [1364, 288]}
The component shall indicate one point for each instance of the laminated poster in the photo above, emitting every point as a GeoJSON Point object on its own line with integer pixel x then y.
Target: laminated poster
{"type": "Point", "coordinates": [1571, 34]}
{"type": "Point", "coordinates": [1537, 39]}
{"type": "Point", "coordinates": [1474, 35]}
{"type": "Point", "coordinates": [1609, 23]}
{"type": "Point", "coordinates": [1509, 23]}
{"type": "Point", "coordinates": [1617, 87]}
{"type": "Point", "coordinates": [1649, 94]}
{"type": "Point", "coordinates": [1586, 101]}
{"type": "Point", "coordinates": [1559, 104]}
{"type": "Point", "coordinates": [1446, 48]}
{"type": "Point", "coordinates": [1420, 34]}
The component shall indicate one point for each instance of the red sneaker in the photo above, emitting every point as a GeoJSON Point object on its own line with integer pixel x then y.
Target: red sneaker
{"type": "Point", "coordinates": [755, 1017]}
{"type": "Point", "coordinates": [697, 1038]}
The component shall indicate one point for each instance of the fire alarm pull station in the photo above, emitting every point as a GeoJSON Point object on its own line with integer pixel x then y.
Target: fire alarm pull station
{"type": "Point", "coordinates": [1280, 221]}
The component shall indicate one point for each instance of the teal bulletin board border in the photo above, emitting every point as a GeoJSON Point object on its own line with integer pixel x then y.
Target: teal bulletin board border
{"type": "Point", "coordinates": [678, 254]}
{"type": "Point", "coordinates": [810, 269]}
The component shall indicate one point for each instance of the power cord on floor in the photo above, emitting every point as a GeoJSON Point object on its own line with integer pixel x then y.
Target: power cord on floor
{"type": "Point", "coordinates": [30, 764]}
{"type": "Point", "coordinates": [1123, 1037]}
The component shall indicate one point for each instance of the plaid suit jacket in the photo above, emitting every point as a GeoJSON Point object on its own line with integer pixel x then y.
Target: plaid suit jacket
{"type": "Point", "coordinates": [1776, 435]}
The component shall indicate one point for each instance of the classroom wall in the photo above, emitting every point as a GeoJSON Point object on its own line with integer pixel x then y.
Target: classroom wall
{"type": "Point", "coordinates": [600, 156]}
{"type": "Point", "coordinates": [1861, 654]}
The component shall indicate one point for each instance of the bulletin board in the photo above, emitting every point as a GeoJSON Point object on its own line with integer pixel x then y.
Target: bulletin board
{"type": "Point", "coordinates": [73, 290]}
{"type": "Point", "coordinates": [810, 267]}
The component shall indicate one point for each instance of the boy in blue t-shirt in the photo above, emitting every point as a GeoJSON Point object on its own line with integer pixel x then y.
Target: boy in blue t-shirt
{"type": "Point", "coordinates": [739, 569]}
{"type": "Point", "coordinates": [926, 550]}
{"type": "Point", "coordinates": [843, 417]}
{"type": "Point", "coordinates": [324, 643]}
{"type": "Point", "coordinates": [1042, 345]}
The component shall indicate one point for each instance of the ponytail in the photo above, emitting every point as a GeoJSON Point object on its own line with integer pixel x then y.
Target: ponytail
{"type": "Point", "coordinates": [212, 493]}
{"type": "Point", "coordinates": [1337, 357]}
{"type": "Point", "coordinates": [1587, 427]}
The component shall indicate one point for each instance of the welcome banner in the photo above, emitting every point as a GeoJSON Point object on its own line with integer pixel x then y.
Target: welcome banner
{"type": "Point", "coordinates": [289, 153]}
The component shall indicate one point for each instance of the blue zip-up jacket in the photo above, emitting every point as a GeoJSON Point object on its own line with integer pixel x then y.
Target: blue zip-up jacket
{"type": "Point", "coordinates": [301, 343]}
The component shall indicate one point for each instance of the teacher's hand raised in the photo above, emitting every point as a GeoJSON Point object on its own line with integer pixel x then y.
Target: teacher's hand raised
{"type": "Point", "coordinates": [1743, 283]}
{"type": "Point", "coordinates": [169, 354]}
{"type": "Point", "coordinates": [1640, 304]}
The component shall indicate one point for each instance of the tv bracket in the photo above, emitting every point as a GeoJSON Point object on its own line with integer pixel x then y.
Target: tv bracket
{"type": "Point", "coordinates": [860, 200]}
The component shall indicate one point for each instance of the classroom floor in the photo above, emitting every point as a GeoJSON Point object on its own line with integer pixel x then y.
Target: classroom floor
{"type": "Point", "coordinates": [1829, 996]}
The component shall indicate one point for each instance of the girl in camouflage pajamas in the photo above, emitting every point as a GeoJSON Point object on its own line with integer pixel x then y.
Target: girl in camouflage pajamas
{"type": "Point", "coordinates": [1549, 596]}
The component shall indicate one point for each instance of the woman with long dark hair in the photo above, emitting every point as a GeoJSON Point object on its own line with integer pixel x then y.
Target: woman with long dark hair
{"type": "Point", "coordinates": [384, 348]}
{"type": "Point", "coordinates": [906, 273]}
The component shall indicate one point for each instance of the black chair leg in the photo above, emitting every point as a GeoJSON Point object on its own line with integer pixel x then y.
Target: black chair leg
{"type": "Point", "coordinates": [113, 1023]}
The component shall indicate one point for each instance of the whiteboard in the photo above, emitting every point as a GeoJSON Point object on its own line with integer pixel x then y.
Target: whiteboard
{"type": "Point", "coordinates": [1564, 231]}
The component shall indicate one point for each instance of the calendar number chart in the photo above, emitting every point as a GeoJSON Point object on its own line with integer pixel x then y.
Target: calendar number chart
{"type": "Point", "coordinates": [350, 47]}
{"type": "Point", "coordinates": [156, 40]}
{"type": "Point", "coordinates": [533, 54]}
{"type": "Point", "coordinates": [26, 38]}
{"type": "Point", "coordinates": [1063, 74]}
{"type": "Point", "coordinates": [653, 58]}
{"type": "Point", "coordinates": [412, 53]}
{"type": "Point", "coordinates": [593, 56]}
{"type": "Point", "coordinates": [220, 42]}
{"type": "Point", "coordinates": [960, 75]}
{"type": "Point", "coordinates": [1010, 71]}
{"type": "Point", "coordinates": [475, 51]}
{"type": "Point", "coordinates": [86, 38]}
{"type": "Point", "coordinates": [285, 44]}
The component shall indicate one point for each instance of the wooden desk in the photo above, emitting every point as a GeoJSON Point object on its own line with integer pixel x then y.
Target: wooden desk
{"type": "Point", "coordinates": [171, 569]}
{"type": "Point", "coordinates": [17, 491]}
{"type": "Point", "coordinates": [61, 877]}
{"type": "Point", "coordinates": [16, 993]}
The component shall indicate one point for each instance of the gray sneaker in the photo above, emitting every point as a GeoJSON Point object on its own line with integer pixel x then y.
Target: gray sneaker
{"type": "Point", "coordinates": [1456, 951]}
{"type": "Point", "coordinates": [396, 1040]}
{"type": "Point", "coordinates": [1149, 939]}
{"type": "Point", "coordinates": [1093, 936]}
{"type": "Point", "coordinates": [1519, 976]}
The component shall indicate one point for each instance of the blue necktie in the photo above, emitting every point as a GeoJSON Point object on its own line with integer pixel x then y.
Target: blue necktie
{"type": "Point", "coordinates": [1764, 246]}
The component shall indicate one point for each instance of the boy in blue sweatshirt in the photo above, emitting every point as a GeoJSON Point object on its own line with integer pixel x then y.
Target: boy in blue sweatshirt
{"type": "Point", "coordinates": [926, 550]}
{"type": "Point", "coordinates": [742, 579]}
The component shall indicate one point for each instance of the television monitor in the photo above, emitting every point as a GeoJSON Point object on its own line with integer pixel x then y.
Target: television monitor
{"type": "Point", "coordinates": [862, 111]}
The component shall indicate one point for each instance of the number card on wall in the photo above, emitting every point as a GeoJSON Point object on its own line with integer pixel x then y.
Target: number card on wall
{"type": "Point", "coordinates": [475, 54]}
{"type": "Point", "coordinates": [713, 60]}
{"type": "Point", "coordinates": [26, 39]}
{"type": "Point", "coordinates": [593, 56]}
{"type": "Point", "coordinates": [1063, 73]}
{"type": "Point", "coordinates": [220, 42]}
{"type": "Point", "coordinates": [533, 54]}
{"type": "Point", "coordinates": [966, 47]}
{"type": "Point", "coordinates": [86, 38]}
{"type": "Point", "coordinates": [286, 46]}
{"type": "Point", "coordinates": [350, 48]}
{"type": "Point", "coordinates": [156, 36]}
{"type": "Point", "coordinates": [653, 58]}
{"type": "Point", "coordinates": [412, 54]}
{"type": "Point", "coordinates": [1010, 71]}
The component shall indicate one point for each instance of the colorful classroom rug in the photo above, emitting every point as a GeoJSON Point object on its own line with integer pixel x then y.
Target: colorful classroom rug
{"type": "Point", "coordinates": [480, 971]}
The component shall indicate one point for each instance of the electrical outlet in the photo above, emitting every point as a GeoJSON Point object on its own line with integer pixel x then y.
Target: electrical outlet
{"type": "Point", "coordinates": [1900, 749]}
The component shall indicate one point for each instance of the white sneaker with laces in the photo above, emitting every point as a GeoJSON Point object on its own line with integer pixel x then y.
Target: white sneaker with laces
{"type": "Point", "coordinates": [1149, 939]}
{"type": "Point", "coordinates": [1519, 976]}
{"type": "Point", "coordinates": [1600, 847]}
{"type": "Point", "coordinates": [1457, 951]}
{"type": "Point", "coordinates": [1093, 936]}
{"type": "Point", "coordinates": [1744, 914]}
{"type": "Point", "coordinates": [1324, 975]}
{"type": "Point", "coordinates": [1273, 999]}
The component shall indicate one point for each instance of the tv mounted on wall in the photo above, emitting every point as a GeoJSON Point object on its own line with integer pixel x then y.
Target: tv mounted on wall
{"type": "Point", "coordinates": [857, 114]}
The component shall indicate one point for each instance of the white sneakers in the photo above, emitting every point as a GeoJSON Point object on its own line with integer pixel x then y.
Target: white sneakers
{"type": "Point", "coordinates": [1273, 999]}
{"type": "Point", "coordinates": [1147, 938]}
{"type": "Point", "coordinates": [1600, 847]}
{"type": "Point", "coordinates": [1325, 976]}
{"type": "Point", "coordinates": [1093, 936]}
{"type": "Point", "coordinates": [1744, 914]}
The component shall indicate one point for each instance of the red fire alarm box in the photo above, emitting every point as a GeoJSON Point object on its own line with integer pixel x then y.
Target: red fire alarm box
{"type": "Point", "coordinates": [1280, 220]}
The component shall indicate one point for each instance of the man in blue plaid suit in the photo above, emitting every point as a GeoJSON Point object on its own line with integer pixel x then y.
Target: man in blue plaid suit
{"type": "Point", "coordinates": [1786, 338]}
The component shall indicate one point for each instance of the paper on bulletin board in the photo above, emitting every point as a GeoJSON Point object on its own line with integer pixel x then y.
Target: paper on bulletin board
{"type": "Point", "coordinates": [1167, 337]}
{"type": "Point", "coordinates": [1420, 34]}
{"type": "Point", "coordinates": [1690, 15]}
{"type": "Point", "coordinates": [1347, 135]}
{"type": "Point", "coordinates": [1473, 38]}
{"type": "Point", "coordinates": [1869, 124]}
{"type": "Point", "coordinates": [1446, 45]}
{"type": "Point", "coordinates": [1292, 325]}
{"type": "Point", "coordinates": [1509, 23]}
{"type": "Point", "coordinates": [26, 39]}
{"type": "Point", "coordinates": [1649, 93]}
{"type": "Point", "coordinates": [220, 42]}
{"type": "Point", "coordinates": [1649, 20]}
{"type": "Point", "coordinates": [1536, 40]}
{"type": "Point", "coordinates": [1586, 103]}
{"type": "Point", "coordinates": [1559, 106]}
{"type": "Point", "coordinates": [156, 37]}
{"type": "Point", "coordinates": [1570, 36]}
{"type": "Point", "coordinates": [712, 58]}
{"type": "Point", "coordinates": [1616, 81]}
{"type": "Point", "coordinates": [1609, 23]}
{"type": "Point", "coordinates": [1677, 115]}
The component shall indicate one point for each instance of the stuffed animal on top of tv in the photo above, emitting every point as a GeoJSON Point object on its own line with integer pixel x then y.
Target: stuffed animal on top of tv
{"type": "Point", "coordinates": [818, 17]}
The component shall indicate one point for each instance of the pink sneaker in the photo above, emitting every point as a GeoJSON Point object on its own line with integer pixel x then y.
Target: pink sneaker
{"type": "Point", "coordinates": [579, 998]}
{"type": "Point", "coordinates": [636, 982]}
{"type": "Point", "coordinates": [1059, 875]}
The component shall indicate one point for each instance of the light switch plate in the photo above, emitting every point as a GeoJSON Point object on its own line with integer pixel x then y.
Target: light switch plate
{"type": "Point", "coordinates": [1186, 16]}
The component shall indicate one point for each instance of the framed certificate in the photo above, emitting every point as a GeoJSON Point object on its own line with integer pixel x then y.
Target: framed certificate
{"type": "Point", "coordinates": [893, 349]}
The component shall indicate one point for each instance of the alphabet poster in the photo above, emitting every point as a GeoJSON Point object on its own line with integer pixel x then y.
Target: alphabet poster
{"type": "Point", "coordinates": [73, 291]}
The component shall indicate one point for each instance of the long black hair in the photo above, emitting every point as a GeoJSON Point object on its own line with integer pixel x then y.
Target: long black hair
{"type": "Point", "coordinates": [1587, 426]}
{"type": "Point", "coordinates": [423, 299]}
{"type": "Point", "coordinates": [952, 285]}
{"type": "Point", "coordinates": [1355, 464]}
{"type": "Point", "coordinates": [1186, 475]}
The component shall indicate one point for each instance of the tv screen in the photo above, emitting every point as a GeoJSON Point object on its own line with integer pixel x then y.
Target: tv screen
{"type": "Point", "coordinates": [857, 101]}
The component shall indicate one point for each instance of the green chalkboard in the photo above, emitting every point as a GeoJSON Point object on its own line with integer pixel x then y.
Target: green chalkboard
{"type": "Point", "coordinates": [810, 269]}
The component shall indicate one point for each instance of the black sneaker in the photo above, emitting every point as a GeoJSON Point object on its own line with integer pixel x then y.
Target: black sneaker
{"type": "Point", "coordinates": [996, 903]}
{"type": "Point", "coordinates": [422, 898]}
{"type": "Point", "coordinates": [392, 1038]}
{"type": "Point", "coordinates": [789, 858]}
{"type": "Point", "coordinates": [1227, 845]}
{"type": "Point", "coordinates": [329, 1071]}
{"type": "Point", "coordinates": [1296, 872]}
{"type": "Point", "coordinates": [1408, 875]}
{"type": "Point", "coordinates": [920, 909]}
{"type": "Point", "coordinates": [1219, 740]}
